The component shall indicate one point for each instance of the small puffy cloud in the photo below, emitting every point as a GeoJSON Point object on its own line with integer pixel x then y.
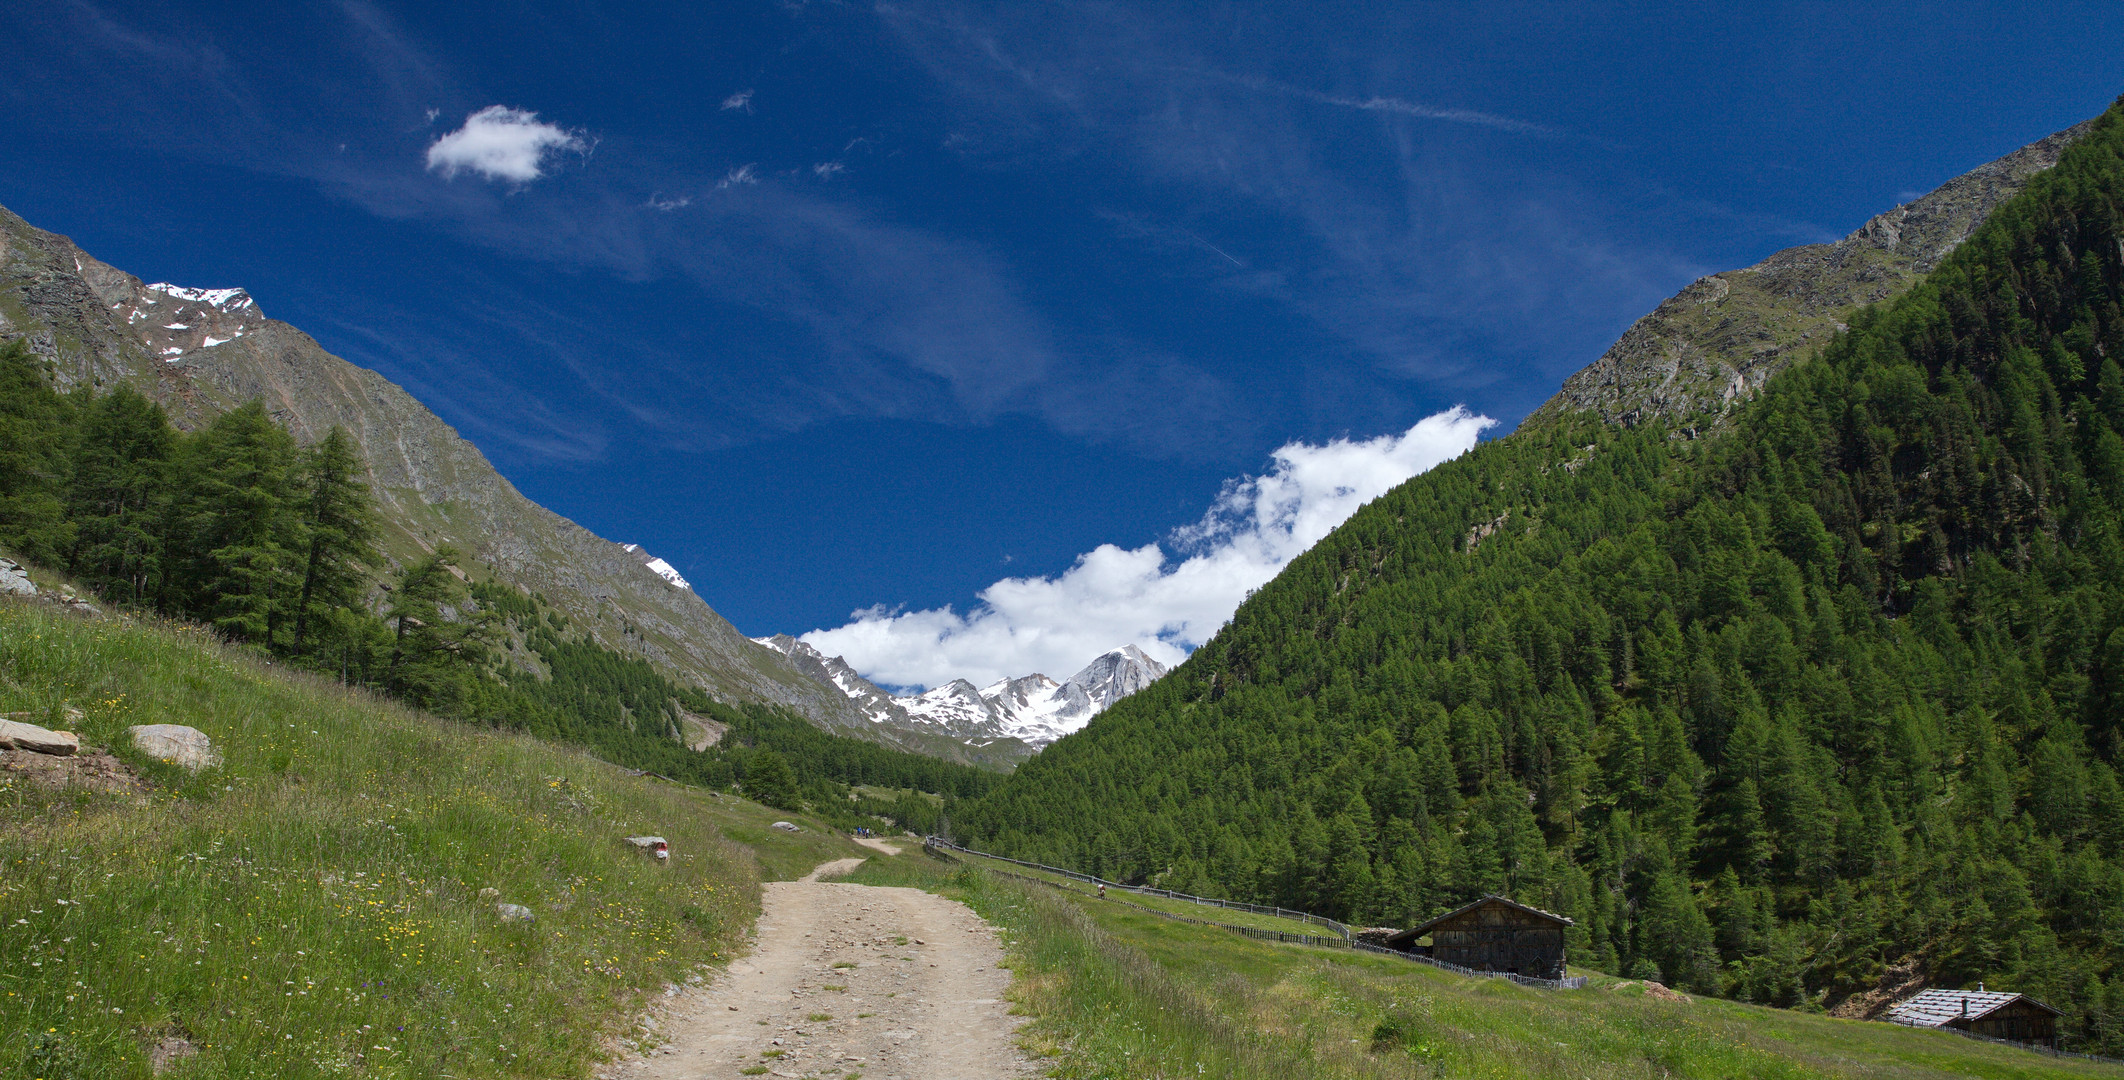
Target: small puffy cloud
{"type": "Point", "coordinates": [825, 170]}
{"type": "Point", "coordinates": [742, 100]}
{"type": "Point", "coordinates": [1166, 603]}
{"type": "Point", "coordinates": [500, 143]}
{"type": "Point", "coordinates": [743, 174]}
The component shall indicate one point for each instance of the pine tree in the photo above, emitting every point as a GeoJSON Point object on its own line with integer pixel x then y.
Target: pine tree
{"type": "Point", "coordinates": [769, 781]}
{"type": "Point", "coordinates": [118, 492]}
{"type": "Point", "coordinates": [234, 511]}
{"type": "Point", "coordinates": [434, 656]}
{"type": "Point", "coordinates": [35, 436]}
{"type": "Point", "coordinates": [339, 518]}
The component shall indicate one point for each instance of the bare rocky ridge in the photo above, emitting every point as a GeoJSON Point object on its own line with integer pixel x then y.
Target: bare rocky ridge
{"type": "Point", "coordinates": [1717, 341]}
{"type": "Point", "coordinates": [202, 352]}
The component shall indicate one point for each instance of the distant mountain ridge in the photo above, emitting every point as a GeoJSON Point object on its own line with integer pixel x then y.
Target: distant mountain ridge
{"type": "Point", "coordinates": [1030, 711]}
{"type": "Point", "coordinates": [201, 352]}
{"type": "Point", "coordinates": [1714, 344]}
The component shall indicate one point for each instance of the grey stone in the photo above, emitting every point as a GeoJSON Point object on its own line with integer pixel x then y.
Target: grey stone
{"type": "Point", "coordinates": [177, 744]}
{"type": "Point", "coordinates": [786, 826]}
{"type": "Point", "coordinates": [13, 580]}
{"type": "Point", "coordinates": [15, 735]}
{"type": "Point", "coordinates": [514, 913]}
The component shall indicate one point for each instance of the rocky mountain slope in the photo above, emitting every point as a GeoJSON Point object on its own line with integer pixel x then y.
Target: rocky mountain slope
{"type": "Point", "coordinates": [1714, 343]}
{"type": "Point", "coordinates": [202, 351]}
{"type": "Point", "coordinates": [1011, 715]}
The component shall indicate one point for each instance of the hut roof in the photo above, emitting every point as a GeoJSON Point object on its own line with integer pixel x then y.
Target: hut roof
{"type": "Point", "coordinates": [1933, 1008]}
{"type": "Point", "coordinates": [1415, 932]}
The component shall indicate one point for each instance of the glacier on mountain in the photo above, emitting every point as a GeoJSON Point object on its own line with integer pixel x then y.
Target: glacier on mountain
{"type": "Point", "coordinates": [1034, 708]}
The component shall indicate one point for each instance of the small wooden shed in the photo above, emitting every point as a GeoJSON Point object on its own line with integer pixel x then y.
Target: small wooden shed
{"type": "Point", "coordinates": [1993, 1013]}
{"type": "Point", "coordinates": [1492, 934]}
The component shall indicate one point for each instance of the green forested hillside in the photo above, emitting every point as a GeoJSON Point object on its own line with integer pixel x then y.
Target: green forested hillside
{"type": "Point", "coordinates": [272, 545]}
{"type": "Point", "coordinates": [1837, 691]}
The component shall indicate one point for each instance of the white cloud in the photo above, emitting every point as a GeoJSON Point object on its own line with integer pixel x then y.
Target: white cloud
{"type": "Point", "coordinates": [740, 100]}
{"type": "Point", "coordinates": [1168, 604]}
{"type": "Point", "coordinates": [500, 143]}
{"type": "Point", "coordinates": [825, 169]}
{"type": "Point", "coordinates": [658, 202]}
{"type": "Point", "coordinates": [743, 174]}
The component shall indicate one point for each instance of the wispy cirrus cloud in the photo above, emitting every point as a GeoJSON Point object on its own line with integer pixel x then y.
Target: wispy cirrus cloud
{"type": "Point", "coordinates": [501, 143]}
{"type": "Point", "coordinates": [738, 102]}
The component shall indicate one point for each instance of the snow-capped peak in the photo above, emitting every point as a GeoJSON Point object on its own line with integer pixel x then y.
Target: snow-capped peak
{"type": "Point", "coordinates": [657, 566]}
{"type": "Point", "coordinates": [1032, 708]}
{"type": "Point", "coordinates": [173, 321]}
{"type": "Point", "coordinates": [210, 297]}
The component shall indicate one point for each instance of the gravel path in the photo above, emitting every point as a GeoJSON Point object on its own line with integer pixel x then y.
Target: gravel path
{"type": "Point", "coordinates": [892, 984]}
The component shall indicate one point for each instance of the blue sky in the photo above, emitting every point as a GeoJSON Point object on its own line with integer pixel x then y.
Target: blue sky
{"type": "Point", "coordinates": [850, 306]}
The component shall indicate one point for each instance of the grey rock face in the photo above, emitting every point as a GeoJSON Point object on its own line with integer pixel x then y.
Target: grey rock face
{"type": "Point", "coordinates": [514, 913]}
{"type": "Point", "coordinates": [1116, 675]}
{"type": "Point", "coordinates": [175, 743]}
{"type": "Point", "coordinates": [14, 581]}
{"type": "Point", "coordinates": [1716, 342]}
{"type": "Point", "coordinates": [15, 735]}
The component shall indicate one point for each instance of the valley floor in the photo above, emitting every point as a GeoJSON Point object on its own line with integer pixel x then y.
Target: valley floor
{"type": "Point", "coordinates": [889, 983]}
{"type": "Point", "coordinates": [1117, 991]}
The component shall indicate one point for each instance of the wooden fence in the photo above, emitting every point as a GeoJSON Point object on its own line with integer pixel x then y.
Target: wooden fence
{"type": "Point", "coordinates": [2037, 1047]}
{"type": "Point", "coordinates": [1144, 890]}
{"type": "Point", "coordinates": [1343, 940]}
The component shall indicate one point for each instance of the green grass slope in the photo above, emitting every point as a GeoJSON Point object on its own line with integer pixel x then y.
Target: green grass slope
{"type": "Point", "coordinates": [315, 906]}
{"type": "Point", "coordinates": [1830, 700]}
{"type": "Point", "coordinates": [1120, 993]}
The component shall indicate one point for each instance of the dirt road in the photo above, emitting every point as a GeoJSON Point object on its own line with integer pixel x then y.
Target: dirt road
{"type": "Point", "coordinates": [894, 984]}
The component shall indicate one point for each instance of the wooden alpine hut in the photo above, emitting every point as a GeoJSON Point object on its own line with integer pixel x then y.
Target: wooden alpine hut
{"type": "Point", "coordinates": [1993, 1014]}
{"type": "Point", "coordinates": [1492, 934]}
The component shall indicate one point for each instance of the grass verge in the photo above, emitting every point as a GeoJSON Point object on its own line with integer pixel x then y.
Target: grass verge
{"type": "Point", "coordinates": [1117, 992]}
{"type": "Point", "coordinates": [324, 903]}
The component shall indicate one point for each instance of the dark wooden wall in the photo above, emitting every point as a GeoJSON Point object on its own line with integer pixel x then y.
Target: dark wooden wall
{"type": "Point", "coordinates": [1498, 937]}
{"type": "Point", "coordinates": [2018, 1021]}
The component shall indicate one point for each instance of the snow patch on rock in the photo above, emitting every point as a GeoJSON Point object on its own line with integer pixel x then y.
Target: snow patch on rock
{"type": "Point", "coordinates": [1032, 708]}
{"type": "Point", "coordinates": [657, 566]}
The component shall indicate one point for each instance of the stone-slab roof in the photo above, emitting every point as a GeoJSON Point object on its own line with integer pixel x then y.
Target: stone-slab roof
{"type": "Point", "coordinates": [1415, 932]}
{"type": "Point", "coordinates": [1934, 1008]}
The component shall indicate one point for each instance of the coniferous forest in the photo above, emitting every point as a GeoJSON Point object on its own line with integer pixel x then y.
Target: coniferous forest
{"type": "Point", "coordinates": [273, 545]}
{"type": "Point", "coordinates": [1770, 707]}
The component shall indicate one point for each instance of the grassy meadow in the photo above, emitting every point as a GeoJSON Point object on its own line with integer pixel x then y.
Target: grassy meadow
{"type": "Point", "coordinates": [324, 902]}
{"type": "Point", "coordinates": [1117, 992]}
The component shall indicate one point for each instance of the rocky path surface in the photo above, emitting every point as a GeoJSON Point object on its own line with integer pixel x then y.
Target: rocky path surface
{"type": "Point", "coordinates": [892, 984]}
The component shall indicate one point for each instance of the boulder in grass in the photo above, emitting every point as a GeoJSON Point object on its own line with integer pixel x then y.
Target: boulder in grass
{"type": "Point", "coordinates": [652, 846]}
{"type": "Point", "coordinates": [177, 744]}
{"type": "Point", "coordinates": [514, 913]}
{"type": "Point", "coordinates": [15, 580]}
{"type": "Point", "coordinates": [786, 826]}
{"type": "Point", "coordinates": [15, 735]}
